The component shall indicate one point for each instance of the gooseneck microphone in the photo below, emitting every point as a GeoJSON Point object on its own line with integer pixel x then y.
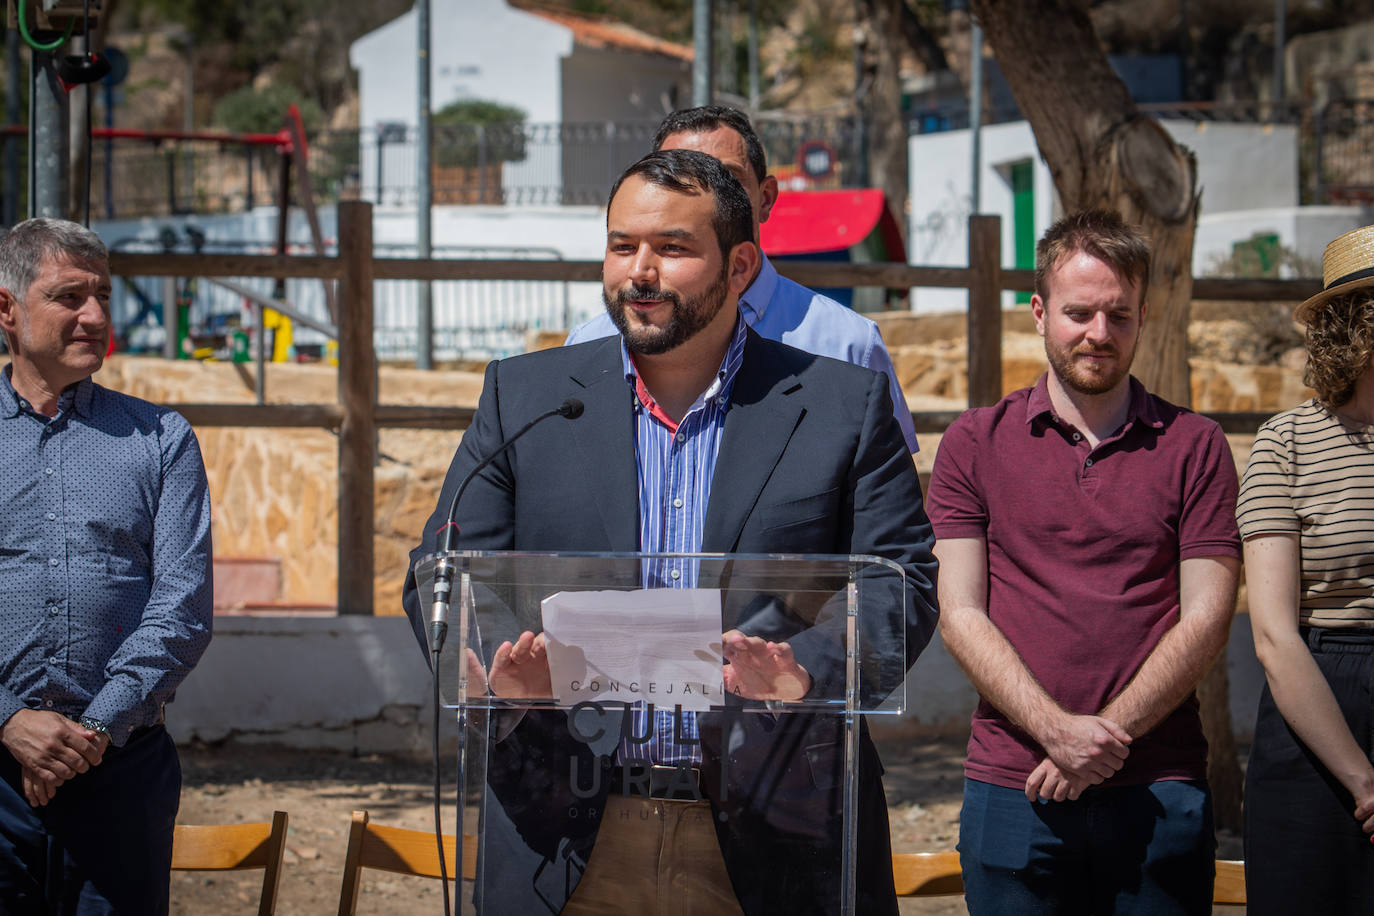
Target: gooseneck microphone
{"type": "Point", "coordinates": [443, 573]}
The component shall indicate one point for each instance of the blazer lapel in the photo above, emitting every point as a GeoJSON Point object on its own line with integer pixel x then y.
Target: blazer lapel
{"type": "Point", "coordinates": [604, 435]}
{"type": "Point", "coordinates": [763, 416]}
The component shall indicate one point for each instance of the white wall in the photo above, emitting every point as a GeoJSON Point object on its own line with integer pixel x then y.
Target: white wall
{"type": "Point", "coordinates": [1304, 230]}
{"type": "Point", "coordinates": [1240, 167]}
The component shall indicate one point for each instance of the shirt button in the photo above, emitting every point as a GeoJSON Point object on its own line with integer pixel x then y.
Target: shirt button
{"type": "Point", "coordinates": [54, 610]}
{"type": "Point", "coordinates": [52, 659]}
{"type": "Point", "coordinates": [1088, 463]}
{"type": "Point", "coordinates": [47, 470]}
{"type": "Point", "coordinates": [675, 574]}
{"type": "Point", "coordinates": [682, 437]}
{"type": "Point", "coordinates": [48, 703]}
{"type": "Point", "coordinates": [677, 503]}
{"type": "Point", "coordinates": [1077, 436]}
{"type": "Point", "coordinates": [52, 515]}
{"type": "Point", "coordinates": [54, 561]}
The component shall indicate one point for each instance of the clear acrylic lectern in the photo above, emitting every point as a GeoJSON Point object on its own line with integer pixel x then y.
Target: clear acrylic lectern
{"type": "Point", "coordinates": [785, 780]}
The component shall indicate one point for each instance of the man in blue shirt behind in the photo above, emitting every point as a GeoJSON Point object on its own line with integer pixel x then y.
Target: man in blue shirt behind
{"type": "Point", "coordinates": [105, 594]}
{"type": "Point", "coordinates": [773, 306]}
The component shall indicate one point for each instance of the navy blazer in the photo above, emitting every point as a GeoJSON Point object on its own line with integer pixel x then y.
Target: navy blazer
{"type": "Point", "coordinates": [810, 461]}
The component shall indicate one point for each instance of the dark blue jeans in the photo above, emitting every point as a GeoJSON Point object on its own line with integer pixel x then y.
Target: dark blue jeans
{"type": "Point", "coordinates": [103, 844]}
{"type": "Point", "coordinates": [1145, 849]}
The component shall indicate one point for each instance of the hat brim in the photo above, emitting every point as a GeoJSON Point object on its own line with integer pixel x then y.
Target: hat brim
{"type": "Point", "coordinates": [1303, 313]}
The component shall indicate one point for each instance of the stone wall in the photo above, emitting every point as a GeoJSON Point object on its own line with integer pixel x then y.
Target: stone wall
{"type": "Point", "coordinates": [274, 490]}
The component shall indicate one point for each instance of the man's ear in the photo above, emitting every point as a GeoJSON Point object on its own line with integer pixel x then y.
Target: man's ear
{"type": "Point", "coordinates": [768, 191]}
{"type": "Point", "coordinates": [1038, 306]}
{"type": "Point", "coordinates": [744, 263]}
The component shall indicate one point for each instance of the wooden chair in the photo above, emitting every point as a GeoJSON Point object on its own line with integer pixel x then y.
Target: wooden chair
{"type": "Point", "coordinates": [395, 849]}
{"type": "Point", "coordinates": [219, 847]}
{"type": "Point", "coordinates": [937, 874]}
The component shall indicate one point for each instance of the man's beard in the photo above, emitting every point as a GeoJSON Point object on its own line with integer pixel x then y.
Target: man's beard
{"type": "Point", "coordinates": [1073, 376]}
{"type": "Point", "coordinates": [688, 316]}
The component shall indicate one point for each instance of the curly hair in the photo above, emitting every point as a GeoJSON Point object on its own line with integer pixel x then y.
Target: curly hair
{"type": "Point", "coordinates": [1340, 340]}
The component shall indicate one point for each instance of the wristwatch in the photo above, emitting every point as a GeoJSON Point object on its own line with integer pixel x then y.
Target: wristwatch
{"type": "Point", "coordinates": [95, 725]}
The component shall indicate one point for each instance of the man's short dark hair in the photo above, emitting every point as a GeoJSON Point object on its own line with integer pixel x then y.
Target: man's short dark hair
{"type": "Point", "coordinates": [710, 117]}
{"type": "Point", "coordinates": [1102, 233]}
{"type": "Point", "coordinates": [31, 242]}
{"type": "Point", "coordinates": [687, 171]}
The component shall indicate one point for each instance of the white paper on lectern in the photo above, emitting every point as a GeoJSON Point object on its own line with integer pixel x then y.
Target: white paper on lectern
{"type": "Point", "coordinates": [659, 645]}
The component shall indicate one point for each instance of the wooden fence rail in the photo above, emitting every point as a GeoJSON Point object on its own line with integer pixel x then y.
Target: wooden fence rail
{"type": "Point", "coordinates": [357, 416]}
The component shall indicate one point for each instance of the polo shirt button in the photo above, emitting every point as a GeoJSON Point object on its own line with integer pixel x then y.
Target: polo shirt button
{"type": "Point", "coordinates": [1077, 436]}
{"type": "Point", "coordinates": [1088, 463]}
{"type": "Point", "coordinates": [675, 574]}
{"type": "Point", "coordinates": [677, 503]}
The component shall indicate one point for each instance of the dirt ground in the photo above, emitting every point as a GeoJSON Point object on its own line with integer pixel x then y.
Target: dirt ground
{"type": "Point", "coordinates": [321, 790]}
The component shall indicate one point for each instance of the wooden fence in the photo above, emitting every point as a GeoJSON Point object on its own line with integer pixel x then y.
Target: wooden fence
{"type": "Point", "coordinates": [357, 416]}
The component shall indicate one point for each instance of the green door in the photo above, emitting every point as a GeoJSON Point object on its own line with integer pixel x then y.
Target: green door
{"type": "Point", "coordinates": [1023, 218]}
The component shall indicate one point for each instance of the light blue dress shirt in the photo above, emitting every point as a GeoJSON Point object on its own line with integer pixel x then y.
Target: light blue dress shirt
{"type": "Point", "coordinates": [105, 589]}
{"type": "Point", "coordinates": [781, 310]}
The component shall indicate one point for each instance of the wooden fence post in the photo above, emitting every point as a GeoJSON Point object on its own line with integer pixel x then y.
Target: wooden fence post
{"type": "Point", "coordinates": [984, 310]}
{"type": "Point", "coordinates": [358, 398]}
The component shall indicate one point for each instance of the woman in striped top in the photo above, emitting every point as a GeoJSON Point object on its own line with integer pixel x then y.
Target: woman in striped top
{"type": "Point", "coordinates": [1306, 513]}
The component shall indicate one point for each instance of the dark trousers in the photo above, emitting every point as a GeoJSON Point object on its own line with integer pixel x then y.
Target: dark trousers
{"type": "Point", "coordinates": [103, 845]}
{"type": "Point", "coordinates": [1304, 850]}
{"type": "Point", "coordinates": [1143, 849]}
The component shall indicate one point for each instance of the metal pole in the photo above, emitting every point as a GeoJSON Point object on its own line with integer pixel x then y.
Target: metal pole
{"type": "Point", "coordinates": [1280, 17]}
{"type": "Point", "coordinates": [109, 152]}
{"type": "Point", "coordinates": [11, 210]}
{"type": "Point", "coordinates": [753, 55]}
{"type": "Point", "coordinates": [48, 141]}
{"type": "Point", "coordinates": [703, 46]}
{"type": "Point", "coordinates": [424, 317]}
{"type": "Point", "coordinates": [975, 116]}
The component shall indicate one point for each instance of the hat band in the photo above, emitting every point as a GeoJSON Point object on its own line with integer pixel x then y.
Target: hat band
{"type": "Point", "coordinates": [1350, 277]}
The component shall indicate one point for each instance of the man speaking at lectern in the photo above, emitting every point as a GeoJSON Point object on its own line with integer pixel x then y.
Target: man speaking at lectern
{"type": "Point", "coordinates": [697, 435]}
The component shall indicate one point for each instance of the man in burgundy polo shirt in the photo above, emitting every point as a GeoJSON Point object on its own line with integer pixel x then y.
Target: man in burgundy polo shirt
{"type": "Point", "coordinates": [1088, 561]}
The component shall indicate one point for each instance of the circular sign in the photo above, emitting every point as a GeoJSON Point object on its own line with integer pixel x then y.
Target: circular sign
{"type": "Point", "coordinates": [119, 66]}
{"type": "Point", "coordinates": [816, 159]}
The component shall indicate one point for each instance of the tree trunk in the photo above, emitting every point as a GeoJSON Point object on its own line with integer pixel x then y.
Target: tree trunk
{"type": "Point", "coordinates": [1102, 152]}
{"type": "Point", "coordinates": [884, 125]}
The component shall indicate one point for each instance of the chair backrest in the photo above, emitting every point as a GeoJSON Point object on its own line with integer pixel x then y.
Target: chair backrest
{"type": "Point", "coordinates": [219, 847]}
{"type": "Point", "coordinates": [395, 849]}
{"type": "Point", "coordinates": [937, 874]}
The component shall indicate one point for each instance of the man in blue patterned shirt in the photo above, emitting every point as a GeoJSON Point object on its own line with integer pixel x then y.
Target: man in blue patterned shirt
{"type": "Point", "coordinates": [105, 594]}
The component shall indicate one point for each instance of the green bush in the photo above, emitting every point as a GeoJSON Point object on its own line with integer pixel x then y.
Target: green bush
{"type": "Point", "coordinates": [457, 140]}
{"type": "Point", "coordinates": [247, 110]}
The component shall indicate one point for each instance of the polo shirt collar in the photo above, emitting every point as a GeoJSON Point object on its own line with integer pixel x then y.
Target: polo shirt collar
{"type": "Point", "coordinates": [1142, 406]}
{"type": "Point", "coordinates": [754, 301]}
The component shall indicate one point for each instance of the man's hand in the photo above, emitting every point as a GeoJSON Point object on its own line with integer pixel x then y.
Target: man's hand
{"type": "Point", "coordinates": [51, 749]}
{"type": "Point", "coordinates": [520, 670]}
{"type": "Point", "coordinates": [1086, 748]}
{"type": "Point", "coordinates": [1049, 782]}
{"type": "Point", "coordinates": [1364, 813]}
{"type": "Point", "coordinates": [761, 670]}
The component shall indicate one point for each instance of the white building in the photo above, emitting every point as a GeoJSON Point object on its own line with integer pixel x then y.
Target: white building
{"type": "Point", "coordinates": [558, 68]}
{"type": "Point", "coordinates": [1247, 176]}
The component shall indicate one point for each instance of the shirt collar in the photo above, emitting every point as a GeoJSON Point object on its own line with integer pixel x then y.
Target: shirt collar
{"type": "Point", "coordinates": [9, 398]}
{"type": "Point", "coordinates": [720, 386]}
{"type": "Point", "coordinates": [754, 301]}
{"type": "Point", "coordinates": [1142, 407]}
{"type": "Point", "coordinates": [79, 396]}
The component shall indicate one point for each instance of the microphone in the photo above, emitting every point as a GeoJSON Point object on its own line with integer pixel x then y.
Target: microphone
{"type": "Point", "coordinates": [443, 573]}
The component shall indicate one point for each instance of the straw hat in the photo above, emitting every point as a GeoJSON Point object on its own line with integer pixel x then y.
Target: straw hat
{"type": "Point", "coordinates": [1347, 264]}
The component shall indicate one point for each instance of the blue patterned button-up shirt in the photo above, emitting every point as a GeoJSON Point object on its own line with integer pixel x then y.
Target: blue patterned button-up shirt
{"type": "Point", "coordinates": [105, 591]}
{"type": "Point", "coordinates": [675, 470]}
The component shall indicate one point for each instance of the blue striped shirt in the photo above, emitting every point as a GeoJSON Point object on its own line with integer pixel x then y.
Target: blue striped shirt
{"type": "Point", "coordinates": [675, 468]}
